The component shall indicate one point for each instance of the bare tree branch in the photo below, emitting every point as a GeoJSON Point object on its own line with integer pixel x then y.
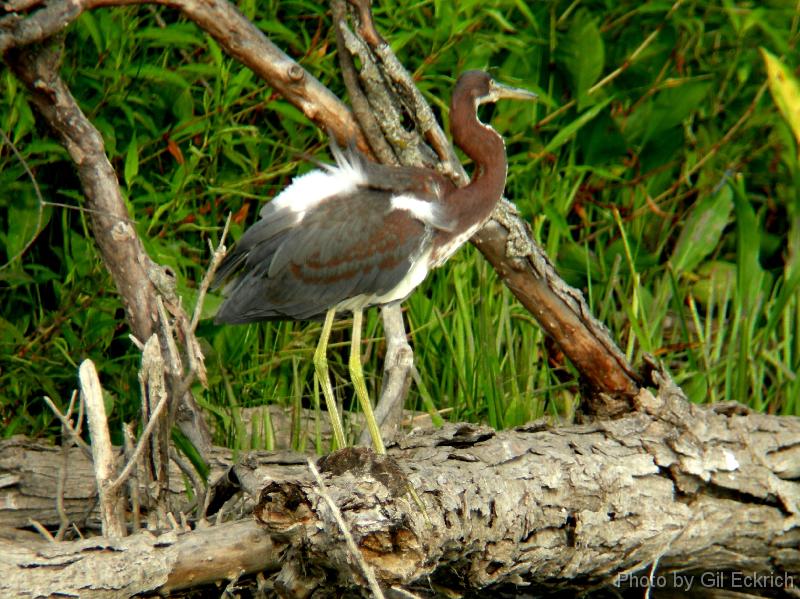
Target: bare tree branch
{"type": "Point", "coordinates": [505, 240]}
{"type": "Point", "coordinates": [103, 455]}
{"type": "Point", "coordinates": [237, 35]}
{"type": "Point", "coordinates": [138, 279]}
{"type": "Point", "coordinates": [560, 310]}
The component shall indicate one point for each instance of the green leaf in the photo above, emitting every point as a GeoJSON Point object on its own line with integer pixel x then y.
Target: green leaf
{"type": "Point", "coordinates": [750, 275]}
{"type": "Point", "coordinates": [582, 53]}
{"type": "Point", "coordinates": [785, 91]}
{"type": "Point", "coordinates": [88, 25]}
{"type": "Point", "coordinates": [673, 105]}
{"type": "Point", "coordinates": [669, 108]}
{"type": "Point", "coordinates": [214, 50]}
{"type": "Point", "coordinates": [789, 289]}
{"type": "Point", "coordinates": [703, 230]}
{"type": "Point", "coordinates": [168, 37]}
{"type": "Point", "coordinates": [504, 23]}
{"type": "Point", "coordinates": [156, 74]}
{"type": "Point", "coordinates": [10, 335]}
{"type": "Point", "coordinates": [696, 389]}
{"type": "Point", "coordinates": [188, 449]}
{"type": "Point", "coordinates": [716, 281]}
{"type": "Point", "coordinates": [237, 85]}
{"type": "Point", "coordinates": [184, 106]}
{"type": "Point", "coordinates": [25, 218]}
{"type": "Point", "coordinates": [132, 161]}
{"type": "Point", "coordinates": [566, 133]}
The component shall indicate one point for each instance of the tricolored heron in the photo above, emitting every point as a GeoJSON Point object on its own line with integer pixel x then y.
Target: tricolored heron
{"type": "Point", "coordinates": [358, 234]}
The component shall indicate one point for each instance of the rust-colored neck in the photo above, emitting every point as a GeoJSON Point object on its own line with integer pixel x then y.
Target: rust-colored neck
{"type": "Point", "coordinates": [476, 201]}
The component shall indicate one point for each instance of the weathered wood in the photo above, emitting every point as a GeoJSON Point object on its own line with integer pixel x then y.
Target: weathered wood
{"type": "Point", "coordinates": [673, 486]}
{"type": "Point", "coordinates": [30, 471]}
{"type": "Point", "coordinates": [676, 485]}
{"type": "Point", "coordinates": [140, 563]}
{"type": "Point", "coordinates": [29, 474]}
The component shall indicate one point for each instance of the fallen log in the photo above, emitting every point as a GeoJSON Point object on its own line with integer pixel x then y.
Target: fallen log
{"type": "Point", "coordinates": [671, 488]}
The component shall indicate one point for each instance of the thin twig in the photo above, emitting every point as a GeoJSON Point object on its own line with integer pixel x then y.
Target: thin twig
{"type": "Point", "coordinates": [173, 522]}
{"type": "Point", "coordinates": [366, 569]}
{"type": "Point", "coordinates": [68, 427]}
{"type": "Point", "coordinates": [185, 383]}
{"type": "Point", "coordinates": [37, 191]}
{"type": "Point", "coordinates": [173, 356]}
{"type": "Point", "coordinates": [216, 257]}
{"type": "Point", "coordinates": [358, 99]}
{"type": "Point", "coordinates": [41, 529]}
{"type": "Point", "coordinates": [66, 443]}
{"type": "Point", "coordinates": [133, 481]}
{"type": "Point", "coordinates": [71, 405]}
{"type": "Point", "coordinates": [191, 473]}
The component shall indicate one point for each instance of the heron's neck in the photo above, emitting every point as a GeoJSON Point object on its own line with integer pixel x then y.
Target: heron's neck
{"type": "Point", "coordinates": [486, 149]}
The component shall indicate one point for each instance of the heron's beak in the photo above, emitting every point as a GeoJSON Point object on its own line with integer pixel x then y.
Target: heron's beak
{"type": "Point", "coordinates": [499, 91]}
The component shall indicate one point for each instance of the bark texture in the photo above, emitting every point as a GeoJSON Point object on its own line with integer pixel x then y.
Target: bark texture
{"type": "Point", "coordinates": [676, 486]}
{"type": "Point", "coordinates": [672, 487]}
{"type": "Point", "coordinates": [141, 563]}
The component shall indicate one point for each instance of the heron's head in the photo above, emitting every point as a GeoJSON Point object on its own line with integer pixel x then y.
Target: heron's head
{"type": "Point", "coordinates": [480, 88]}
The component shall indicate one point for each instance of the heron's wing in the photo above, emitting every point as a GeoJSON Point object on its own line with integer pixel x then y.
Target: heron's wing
{"type": "Point", "coordinates": [420, 182]}
{"type": "Point", "coordinates": [355, 245]}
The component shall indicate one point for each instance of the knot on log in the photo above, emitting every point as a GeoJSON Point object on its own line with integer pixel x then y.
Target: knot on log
{"type": "Point", "coordinates": [122, 231]}
{"type": "Point", "coordinates": [370, 493]}
{"type": "Point", "coordinates": [295, 73]}
{"type": "Point", "coordinates": [283, 506]}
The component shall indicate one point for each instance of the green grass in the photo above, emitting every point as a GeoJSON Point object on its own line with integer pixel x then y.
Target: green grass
{"type": "Point", "coordinates": [669, 194]}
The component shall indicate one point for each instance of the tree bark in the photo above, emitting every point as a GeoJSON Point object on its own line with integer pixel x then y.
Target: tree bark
{"type": "Point", "coordinates": [673, 487]}
{"type": "Point", "coordinates": [141, 563]}
{"type": "Point", "coordinates": [139, 280]}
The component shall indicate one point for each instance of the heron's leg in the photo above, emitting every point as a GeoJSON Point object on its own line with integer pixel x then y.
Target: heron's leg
{"type": "Point", "coordinates": [357, 375]}
{"type": "Point", "coordinates": [398, 365]}
{"type": "Point", "coordinates": [321, 370]}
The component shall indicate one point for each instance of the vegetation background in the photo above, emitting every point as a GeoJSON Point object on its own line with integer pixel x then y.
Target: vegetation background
{"type": "Point", "coordinates": [657, 171]}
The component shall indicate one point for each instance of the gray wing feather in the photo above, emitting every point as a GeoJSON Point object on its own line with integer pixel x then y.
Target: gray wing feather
{"type": "Point", "coordinates": [296, 266]}
{"type": "Point", "coordinates": [345, 247]}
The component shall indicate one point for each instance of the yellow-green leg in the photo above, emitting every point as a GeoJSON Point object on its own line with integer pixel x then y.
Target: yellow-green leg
{"type": "Point", "coordinates": [321, 370]}
{"type": "Point", "coordinates": [357, 375]}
